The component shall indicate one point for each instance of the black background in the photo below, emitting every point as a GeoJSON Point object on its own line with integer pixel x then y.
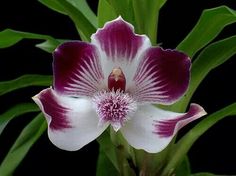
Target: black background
{"type": "Point", "coordinates": [215, 151]}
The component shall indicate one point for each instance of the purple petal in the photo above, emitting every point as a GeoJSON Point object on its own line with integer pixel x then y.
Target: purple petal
{"type": "Point", "coordinates": [168, 127]}
{"type": "Point", "coordinates": [118, 40]}
{"type": "Point", "coordinates": [77, 69]}
{"type": "Point", "coordinates": [54, 110]}
{"type": "Point", "coordinates": [152, 129]}
{"type": "Point", "coordinates": [162, 76]}
{"type": "Point", "coordinates": [72, 122]}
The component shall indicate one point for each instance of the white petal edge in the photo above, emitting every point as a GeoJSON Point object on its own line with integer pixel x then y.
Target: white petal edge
{"type": "Point", "coordinates": [140, 131]}
{"type": "Point", "coordinates": [82, 118]}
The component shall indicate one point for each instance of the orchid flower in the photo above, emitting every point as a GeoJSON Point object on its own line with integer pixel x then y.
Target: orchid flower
{"type": "Point", "coordinates": [114, 81]}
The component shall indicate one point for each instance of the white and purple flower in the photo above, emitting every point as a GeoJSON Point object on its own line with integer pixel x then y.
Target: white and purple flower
{"type": "Point", "coordinates": [114, 80]}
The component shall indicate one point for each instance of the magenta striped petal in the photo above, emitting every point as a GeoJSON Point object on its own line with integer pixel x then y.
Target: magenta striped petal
{"type": "Point", "coordinates": [152, 129]}
{"type": "Point", "coordinates": [72, 122]}
{"type": "Point", "coordinates": [77, 69]}
{"type": "Point", "coordinates": [168, 127]}
{"type": "Point", "coordinates": [118, 40]}
{"type": "Point", "coordinates": [162, 76]}
{"type": "Point", "coordinates": [54, 111]}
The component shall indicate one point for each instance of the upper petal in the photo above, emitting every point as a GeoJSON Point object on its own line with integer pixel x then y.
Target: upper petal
{"type": "Point", "coordinates": [162, 76]}
{"type": "Point", "coordinates": [119, 46]}
{"type": "Point", "coordinates": [72, 122]}
{"type": "Point", "coordinates": [77, 69]}
{"type": "Point", "coordinates": [152, 129]}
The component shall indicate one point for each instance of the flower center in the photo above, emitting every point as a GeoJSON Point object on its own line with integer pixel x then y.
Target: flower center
{"type": "Point", "coordinates": [116, 80]}
{"type": "Point", "coordinates": [114, 108]}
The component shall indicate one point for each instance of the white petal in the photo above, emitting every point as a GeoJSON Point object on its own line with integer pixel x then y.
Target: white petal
{"type": "Point", "coordinates": [72, 122]}
{"type": "Point", "coordinates": [152, 129]}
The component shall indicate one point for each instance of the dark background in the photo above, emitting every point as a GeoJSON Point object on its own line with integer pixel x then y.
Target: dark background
{"type": "Point", "coordinates": [215, 151]}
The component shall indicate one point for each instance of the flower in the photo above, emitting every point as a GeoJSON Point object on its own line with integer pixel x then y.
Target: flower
{"type": "Point", "coordinates": [114, 80]}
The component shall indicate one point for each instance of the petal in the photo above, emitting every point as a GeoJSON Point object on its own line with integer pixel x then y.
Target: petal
{"type": "Point", "coordinates": [162, 76]}
{"type": "Point", "coordinates": [72, 122]}
{"type": "Point", "coordinates": [77, 69]}
{"type": "Point", "coordinates": [152, 129]}
{"type": "Point", "coordinates": [119, 46]}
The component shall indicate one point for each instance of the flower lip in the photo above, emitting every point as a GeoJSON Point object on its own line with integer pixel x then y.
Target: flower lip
{"type": "Point", "coordinates": [114, 108]}
{"type": "Point", "coordinates": [116, 80]}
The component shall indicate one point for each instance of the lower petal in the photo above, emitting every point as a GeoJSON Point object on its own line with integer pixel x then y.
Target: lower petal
{"type": "Point", "coordinates": [152, 129]}
{"type": "Point", "coordinates": [72, 122]}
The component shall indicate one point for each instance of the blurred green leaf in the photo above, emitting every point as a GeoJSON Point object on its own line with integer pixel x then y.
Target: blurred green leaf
{"type": "Point", "coordinates": [16, 111]}
{"type": "Point", "coordinates": [125, 9]}
{"type": "Point", "coordinates": [204, 174]}
{"type": "Point", "coordinates": [25, 81]}
{"type": "Point", "coordinates": [104, 166]}
{"type": "Point", "coordinates": [54, 5]}
{"type": "Point", "coordinates": [79, 12]}
{"type": "Point", "coordinates": [83, 25]}
{"type": "Point", "coordinates": [146, 14]}
{"type": "Point", "coordinates": [108, 148]}
{"type": "Point", "coordinates": [185, 143]}
{"type": "Point", "coordinates": [29, 135]}
{"type": "Point", "coordinates": [184, 168]}
{"type": "Point", "coordinates": [105, 12]}
{"type": "Point", "coordinates": [48, 45]}
{"type": "Point", "coordinates": [9, 37]}
{"type": "Point", "coordinates": [210, 24]}
{"type": "Point", "coordinates": [80, 5]}
{"type": "Point", "coordinates": [83, 6]}
{"type": "Point", "coordinates": [211, 57]}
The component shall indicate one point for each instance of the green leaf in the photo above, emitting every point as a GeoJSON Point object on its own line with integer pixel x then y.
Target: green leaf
{"type": "Point", "coordinates": [105, 12]}
{"type": "Point", "coordinates": [83, 6]}
{"type": "Point", "coordinates": [9, 37]}
{"type": "Point", "coordinates": [183, 168]}
{"type": "Point", "coordinates": [79, 12]}
{"type": "Point", "coordinates": [204, 174]}
{"type": "Point", "coordinates": [48, 45]}
{"type": "Point", "coordinates": [83, 25]}
{"type": "Point", "coordinates": [80, 5]}
{"type": "Point", "coordinates": [185, 143]}
{"type": "Point", "coordinates": [210, 24]}
{"type": "Point", "coordinates": [16, 111]}
{"type": "Point", "coordinates": [146, 14]}
{"type": "Point", "coordinates": [54, 5]}
{"type": "Point", "coordinates": [108, 148]}
{"type": "Point", "coordinates": [211, 57]}
{"type": "Point", "coordinates": [104, 166]}
{"type": "Point", "coordinates": [125, 9]}
{"type": "Point", "coordinates": [29, 135]}
{"type": "Point", "coordinates": [24, 81]}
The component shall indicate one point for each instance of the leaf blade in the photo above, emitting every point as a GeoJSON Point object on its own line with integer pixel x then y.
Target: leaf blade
{"type": "Point", "coordinates": [83, 25]}
{"type": "Point", "coordinates": [207, 29]}
{"type": "Point", "coordinates": [29, 135]}
{"type": "Point", "coordinates": [80, 5]}
{"type": "Point", "coordinates": [104, 166]}
{"type": "Point", "coordinates": [148, 10]}
{"type": "Point", "coordinates": [24, 81]}
{"type": "Point", "coordinates": [16, 111]}
{"type": "Point", "coordinates": [83, 6]}
{"type": "Point", "coordinates": [9, 37]}
{"type": "Point", "coordinates": [105, 12]}
{"type": "Point", "coordinates": [184, 168]}
{"type": "Point", "coordinates": [204, 174]}
{"type": "Point", "coordinates": [108, 148]}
